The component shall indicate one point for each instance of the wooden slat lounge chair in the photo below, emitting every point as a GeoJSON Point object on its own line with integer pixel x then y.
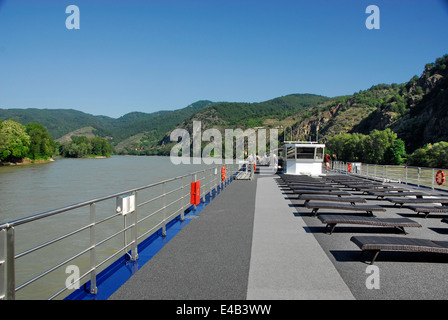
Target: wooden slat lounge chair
{"type": "Point", "coordinates": [370, 187]}
{"type": "Point", "coordinates": [313, 188]}
{"type": "Point", "coordinates": [327, 192]}
{"type": "Point", "coordinates": [306, 183]}
{"type": "Point", "coordinates": [311, 183]}
{"type": "Point", "coordinates": [315, 206]}
{"type": "Point", "coordinates": [427, 210]}
{"type": "Point", "coordinates": [404, 200]}
{"type": "Point", "coordinates": [387, 190]}
{"type": "Point", "coordinates": [366, 184]}
{"type": "Point", "coordinates": [352, 200]}
{"type": "Point", "coordinates": [380, 243]}
{"type": "Point", "coordinates": [333, 219]}
{"type": "Point", "coordinates": [393, 193]}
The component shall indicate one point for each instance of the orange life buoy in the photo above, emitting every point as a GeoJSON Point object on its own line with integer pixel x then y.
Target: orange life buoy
{"type": "Point", "coordinates": [349, 167]}
{"type": "Point", "coordinates": [440, 177]}
{"type": "Point", "coordinates": [223, 173]}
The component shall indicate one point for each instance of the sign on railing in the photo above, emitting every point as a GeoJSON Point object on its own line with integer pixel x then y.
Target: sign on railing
{"type": "Point", "coordinates": [126, 204]}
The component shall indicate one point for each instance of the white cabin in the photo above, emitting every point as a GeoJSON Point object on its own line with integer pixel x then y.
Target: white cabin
{"type": "Point", "coordinates": [304, 158]}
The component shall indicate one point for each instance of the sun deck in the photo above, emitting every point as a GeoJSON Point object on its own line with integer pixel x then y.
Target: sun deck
{"type": "Point", "coordinates": [257, 241]}
{"type": "Point", "coordinates": [246, 244]}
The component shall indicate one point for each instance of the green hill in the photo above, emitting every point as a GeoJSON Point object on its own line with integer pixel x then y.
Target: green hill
{"type": "Point", "coordinates": [416, 110]}
{"type": "Point", "coordinates": [62, 123]}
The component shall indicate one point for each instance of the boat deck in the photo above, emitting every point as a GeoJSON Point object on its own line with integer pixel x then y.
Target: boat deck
{"type": "Point", "coordinates": [256, 240]}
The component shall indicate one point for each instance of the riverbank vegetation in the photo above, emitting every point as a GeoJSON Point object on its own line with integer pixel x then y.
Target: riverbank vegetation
{"type": "Point", "coordinates": [431, 155]}
{"type": "Point", "coordinates": [18, 142]}
{"type": "Point", "coordinates": [32, 143]}
{"type": "Point", "coordinates": [383, 147]}
{"type": "Point", "coordinates": [379, 147]}
{"type": "Point", "coordinates": [83, 147]}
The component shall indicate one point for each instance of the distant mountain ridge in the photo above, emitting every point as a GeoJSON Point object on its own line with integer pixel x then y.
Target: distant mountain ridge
{"type": "Point", "coordinates": [60, 123]}
{"type": "Point", "coordinates": [416, 110]}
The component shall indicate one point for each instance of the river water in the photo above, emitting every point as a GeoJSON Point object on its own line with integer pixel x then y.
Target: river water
{"type": "Point", "coordinates": [28, 190]}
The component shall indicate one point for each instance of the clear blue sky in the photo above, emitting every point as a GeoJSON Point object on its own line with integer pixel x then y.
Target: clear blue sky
{"type": "Point", "coordinates": [150, 55]}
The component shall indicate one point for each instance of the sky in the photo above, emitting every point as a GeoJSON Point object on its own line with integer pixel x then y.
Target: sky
{"type": "Point", "coordinates": [151, 55]}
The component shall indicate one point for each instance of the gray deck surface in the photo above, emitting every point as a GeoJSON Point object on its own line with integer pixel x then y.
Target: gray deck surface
{"type": "Point", "coordinates": [209, 259]}
{"type": "Point", "coordinates": [256, 240]}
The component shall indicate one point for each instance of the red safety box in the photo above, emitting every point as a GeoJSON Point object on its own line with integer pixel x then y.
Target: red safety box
{"type": "Point", "coordinates": [196, 193]}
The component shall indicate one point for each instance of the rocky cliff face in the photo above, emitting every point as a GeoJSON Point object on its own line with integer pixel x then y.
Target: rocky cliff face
{"type": "Point", "coordinates": [427, 120]}
{"type": "Point", "coordinates": [417, 110]}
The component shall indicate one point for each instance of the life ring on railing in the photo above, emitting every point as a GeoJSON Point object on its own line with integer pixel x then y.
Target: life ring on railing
{"type": "Point", "coordinates": [440, 177]}
{"type": "Point", "coordinates": [223, 173]}
{"type": "Point", "coordinates": [349, 167]}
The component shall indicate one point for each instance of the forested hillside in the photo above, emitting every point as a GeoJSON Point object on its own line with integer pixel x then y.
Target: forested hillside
{"type": "Point", "coordinates": [62, 123]}
{"type": "Point", "coordinates": [416, 111]}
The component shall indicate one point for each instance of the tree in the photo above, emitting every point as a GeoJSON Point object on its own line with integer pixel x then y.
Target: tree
{"type": "Point", "coordinates": [378, 143]}
{"type": "Point", "coordinates": [379, 147]}
{"type": "Point", "coordinates": [419, 158]}
{"type": "Point", "coordinates": [81, 147]}
{"type": "Point", "coordinates": [14, 141]}
{"type": "Point", "coordinates": [438, 155]}
{"type": "Point", "coordinates": [42, 146]}
{"type": "Point", "coordinates": [396, 153]}
{"type": "Point", "coordinates": [431, 155]}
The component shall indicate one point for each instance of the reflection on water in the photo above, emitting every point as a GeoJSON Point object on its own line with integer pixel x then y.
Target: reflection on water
{"type": "Point", "coordinates": [29, 190]}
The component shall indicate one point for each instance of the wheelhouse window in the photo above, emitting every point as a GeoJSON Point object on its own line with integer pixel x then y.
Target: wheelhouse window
{"type": "Point", "coordinates": [305, 153]}
{"type": "Point", "coordinates": [290, 154]}
{"type": "Point", "coordinates": [319, 153]}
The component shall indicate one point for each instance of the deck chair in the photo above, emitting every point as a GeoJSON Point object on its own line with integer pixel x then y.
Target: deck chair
{"type": "Point", "coordinates": [322, 192]}
{"type": "Point", "coordinates": [369, 187]}
{"type": "Point", "coordinates": [427, 210]}
{"type": "Point", "coordinates": [380, 243]}
{"type": "Point", "coordinates": [393, 193]}
{"type": "Point", "coordinates": [315, 206]}
{"type": "Point", "coordinates": [328, 188]}
{"type": "Point", "coordinates": [352, 200]}
{"type": "Point", "coordinates": [404, 200]}
{"type": "Point", "coordinates": [333, 219]}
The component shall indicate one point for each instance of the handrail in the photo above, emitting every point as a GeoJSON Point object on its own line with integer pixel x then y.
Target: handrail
{"type": "Point", "coordinates": [168, 210]}
{"type": "Point", "coordinates": [85, 203]}
{"type": "Point", "coordinates": [410, 175]}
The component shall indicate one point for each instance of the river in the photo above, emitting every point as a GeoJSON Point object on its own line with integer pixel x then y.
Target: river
{"type": "Point", "coordinates": [28, 190]}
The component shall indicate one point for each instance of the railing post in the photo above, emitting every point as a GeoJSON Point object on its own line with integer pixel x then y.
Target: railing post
{"type": "Point", "coordinates": [2, 264]}
{"type": "Point", "coordinates": [182, 203]}
{"type": "Point", "coordinates": [432, 179]}
{"type": "Point", "coordinates": [406, 174]}
{"type": "Point", "coordinates": [418, 176]}
{"type": "Point", "coordinates": [10, 287]}
{"type": "Point", "coordinates": [134, 249]}
{"type": "Point", "coordinates": [164, 210]}
{"type": "Point", "coordinates": [93, 288]}
{"type": "Point", "coordinates": [211, 184]}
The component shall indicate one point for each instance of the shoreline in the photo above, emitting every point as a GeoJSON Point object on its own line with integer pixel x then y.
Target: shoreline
{"type": "Point", "coordinates": [25, 162]}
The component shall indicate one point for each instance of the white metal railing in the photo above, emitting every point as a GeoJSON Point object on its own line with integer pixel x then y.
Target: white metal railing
{"type": "Point", "coordinates": [155, 206]}
{"type": "Point", "coordinates": [418, 176]}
